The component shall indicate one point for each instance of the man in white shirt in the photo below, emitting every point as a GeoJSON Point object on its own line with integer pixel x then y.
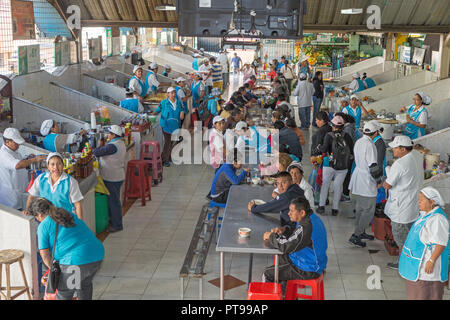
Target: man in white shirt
{"type": "Point", "coordinates": [304, 93]}
{"type": "Point", "coordinates": [287, 72]}
{"type": "Point", "coordinates": [223, 60]}
{"type": "Point", "coordinates": [363, 184]}
{"type": "Point", "coordinates": [205, 70]}
{"type": "Point", "coordinates": [404, 180]}
{"type": "Point", "coordinates": [354, 85]}
{"type": "Point", "coordinates": [13, 173]}
{"type": "Point", "coordinates": [217, 143]}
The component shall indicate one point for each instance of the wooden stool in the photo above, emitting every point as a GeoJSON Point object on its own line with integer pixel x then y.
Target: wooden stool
{"type": "Point", "coordinates": [8, 257]}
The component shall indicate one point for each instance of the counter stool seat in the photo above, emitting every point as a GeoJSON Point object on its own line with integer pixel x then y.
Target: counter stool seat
{"type": "Point", "coordinates": [7, 258]}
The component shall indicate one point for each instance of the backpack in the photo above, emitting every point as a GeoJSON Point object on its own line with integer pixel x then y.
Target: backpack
{"type": "Point", "coordinates": [203, 111]}
{"type": "Point", "coordinates": [341, 152]}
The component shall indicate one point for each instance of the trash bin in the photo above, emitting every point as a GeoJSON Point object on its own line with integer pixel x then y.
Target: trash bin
{"type": "Point", "coordinates": [101, 212]}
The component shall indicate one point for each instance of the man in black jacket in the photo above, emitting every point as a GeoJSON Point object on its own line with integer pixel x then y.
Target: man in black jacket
{"type": "Point", "coordinates": [288, 191]}
{"type": "Point", "coordinates": [289, 139]}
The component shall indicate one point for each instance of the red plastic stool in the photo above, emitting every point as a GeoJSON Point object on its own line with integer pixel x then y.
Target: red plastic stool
{"type": "Point", "coordinates": [315, 284]}
{"type": "Point", "coordinates": [264, 291]}
{"type": "Point", "coordinates": [138, 183]}
{"type": "Point", "coordinates": [151, 151]}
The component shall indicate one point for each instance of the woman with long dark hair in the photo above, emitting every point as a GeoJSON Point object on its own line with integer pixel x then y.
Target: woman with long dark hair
{"type": "Point", "coordinates": [318, 94]}
{"type": "Point", "coordinates": [77, 250]}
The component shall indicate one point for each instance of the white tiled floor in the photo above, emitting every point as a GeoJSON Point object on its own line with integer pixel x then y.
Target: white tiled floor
{"type": "Point", "coordinates": [143, 261]}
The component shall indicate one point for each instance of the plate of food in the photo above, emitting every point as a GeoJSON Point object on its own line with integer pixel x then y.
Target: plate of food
{"type": "Point", "coordinates": [259, 202]}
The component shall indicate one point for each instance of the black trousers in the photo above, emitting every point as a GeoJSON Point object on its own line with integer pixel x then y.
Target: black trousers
{"type": "Point", "coordinates": [222, 198]}
{"type": "Point", "coordinates": [348, 177]}
{"type": "Point", "coordinates": [287, 271]}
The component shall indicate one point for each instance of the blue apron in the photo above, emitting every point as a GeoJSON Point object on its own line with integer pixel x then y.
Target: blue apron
{"type": "Point", "coordinates": [183, 103]}
{"type": "Point", "coordinates": [212, 105]}
{"type": "Point", "coordinates": [144, 88]}
{"type": "Point", "coordinates": [147, 84]}
{"type": "Point", "coordinates": [49, 143]}
{"type": "Point", "coordinates": [165, 73]}
{"type": "Point", "coordinates": [411, 257]}
{"type": "Point", "coordinates": [195, 64]}
{"type": "Point", "coordinates": [170, 118]}
{"type": "Point", "coordinates": [381, 195]}
{"type": "Point", "coordinates": [196, 94]}
{"type": "Point", "coordinates": [357, 117]}
{"type": "Point", "coordinates": [61, 197]}
{"type": "Point", "coordinates": [411, 130]}
{"type": "Point", "coordinates": [370, 83]}
{"type": "Point", "coordinates": [130, 104]}
{"type": "Point", "coordinates": [361, 86]}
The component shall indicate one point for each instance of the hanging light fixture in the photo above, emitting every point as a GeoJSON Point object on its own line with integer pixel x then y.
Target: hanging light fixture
{"type": "Point", "coordinates": [352, 11]}
{"type": "Point", "coordinates": [166, 7]}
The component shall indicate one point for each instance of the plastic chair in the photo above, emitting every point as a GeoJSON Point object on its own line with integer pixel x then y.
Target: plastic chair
{"type": "Point", "coordinates": [138, 182]}
{"type": "Point", "coordinates": [151, 152]}
{"type": "Point", "coordinates": [264, 291]}
{"type": "Point", "coordinates": [315, 284]}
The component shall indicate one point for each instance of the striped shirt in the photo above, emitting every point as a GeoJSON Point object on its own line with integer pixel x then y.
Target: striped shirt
{"type": "Point", "coordinates": [216, 72]}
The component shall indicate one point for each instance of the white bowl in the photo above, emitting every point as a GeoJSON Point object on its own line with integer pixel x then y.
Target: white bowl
{"type": "Point", "coordinates": [244, 232]}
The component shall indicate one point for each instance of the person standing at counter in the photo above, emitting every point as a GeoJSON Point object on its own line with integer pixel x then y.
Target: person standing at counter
{"type": "Point", "coordinates": [13, 173]}
{"type": "Point", "coordinates": [151, 82]}
{"type": "Point", "coordinates": [172, 114]}
{"type": "Point", "coordinates": [182, 96]}
{"type": "Point", "coordinates": [357, 111]}
{"type": "Point", "coordinates": [318, 94]}
{"type": "Point", "coordinates": [424, 258]}
{"type": "Point", "coordinates": [402, 185]}
{"type": "Point", "coordinates": [55, 141]}
{"type": "Point", "coordinates": [167, 70]}
{"type": "Point", "coordinates": [198, 91]}
{"type": "Point", "coordinates": [417, 116]}
{"type": "Point", "coordinates": [76, 247]}
{"type": "Point", "coordinates": [131, 103]}
{"type": "Point", "coordinates": [112, 157]}
{"type": "Point", "coordinates": [57, 187]}
{"type": "Point", "coordinates": [137, 84]}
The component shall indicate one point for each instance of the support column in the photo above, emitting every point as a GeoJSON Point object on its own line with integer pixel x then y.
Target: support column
{"type": "Point", "coordinates": [444, 53]}
{"type": "Point", "coordinates": [390, 47]}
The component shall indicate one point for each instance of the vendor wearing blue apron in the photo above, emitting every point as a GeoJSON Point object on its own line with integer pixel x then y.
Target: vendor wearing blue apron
{"type": "Point", "coordinates": [57, 187]}
{"type": "Point", "coordinates": [137, 84]}
{"type": "Point", "coordinates": [182, 96]}
{"type": "Point", "coordinates": [167, 70]}
{"type": "Point", "coordinates": [151, 82]}
{"type": "Point", "coordinates": [424, 259]}
{"type": "Point", "coordinates": [55, 141]}
{"type": "Point", "coordinates": [357, 111]}
{"type": "Point", "coordinates": [171, 115]}
{"type": "Point", "coordinates": [213, 104]}
{"type": "Point", "coordinates": [417, 117]}
{"type": "Point", "coordinates": [131, 103]}
{"type": "Point", "coordinates": [198, 91]}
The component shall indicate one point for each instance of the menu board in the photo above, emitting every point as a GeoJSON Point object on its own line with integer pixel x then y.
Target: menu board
{"type": "Point", "coordinates": [116, 46]}
{"type": "Point", "coordinates": [29, 59]}
{"type": "Point", "coordinates": [62, 53]}
{"type": "Point", "coordinates": [109, 43]}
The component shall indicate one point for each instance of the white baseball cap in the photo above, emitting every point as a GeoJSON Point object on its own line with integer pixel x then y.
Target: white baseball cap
{"type": "Point", "coordinates": [370, 127]}
{"type": "Point", "coordinates": [52, 155]}
{"type": "Point", "coordinates": [170, 89]}
{"type": "Point", "coordinates": [354, 96]}
{"type": "Point", "coordinates": [14, 135]}
{"type": "Point", "coordinates": [118, 131]}
{"type": "Point", "coordinates": [153, 65]}
{"type": "Point", "coordinates": [136, 68]}
{"type": "Point", "coordinates": [377, 125]}
{"type": "Point", "coordinates": [217, 119]}
{"type": "Point", "coordinates": [180, 79]}
{"type": "Point", "coordinates": [401, 141]}
{"type": "Point", "coordinates": [241, 125]}
{"type": "Point", "coordinates": [168, 67]}
{"type": "Point", "coordinates": [303, 76]}
{"type": "Point", "coordinates": [46, 126]}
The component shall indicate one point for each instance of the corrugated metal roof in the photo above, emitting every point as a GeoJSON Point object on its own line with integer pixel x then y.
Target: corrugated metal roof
{"type": "Point", "coordinates": [48, 20]}
{"type": "Point", "coordinates": [322, 15]}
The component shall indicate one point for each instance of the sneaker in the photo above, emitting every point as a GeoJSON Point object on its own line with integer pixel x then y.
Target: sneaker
{"type": "Point", "coordinates": [345, 198]}
{"type": "Point", "coordinates": [365, 236]}
{"type": "Point", "coordinates": [320, 210]}
{"type": "Point", "coordinates": [111, 230]}
{"type": "Point", "coordinates": [334, 212]}
{"type": "Point", "coordinates": [356, 241]}
{"type": "Point", "coordinates": [392, 265]}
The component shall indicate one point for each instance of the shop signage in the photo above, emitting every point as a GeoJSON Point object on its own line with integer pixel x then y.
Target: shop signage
{"type": "Point", "coordinates": [116, 46]}
{"type": "Point", "coordinates": [95, 48]}
{"type": "Point", "coordinates": [62, 53]}
{"type": "Point", "coordinates": [29, 59]}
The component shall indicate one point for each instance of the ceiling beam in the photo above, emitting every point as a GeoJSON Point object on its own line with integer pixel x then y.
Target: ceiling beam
{"type": "Point", "coordinates": [129, 24]}
{"type": "Point", "coordinates": [384, 28]}
{"type": "Point", "coordinates": [58, 8]}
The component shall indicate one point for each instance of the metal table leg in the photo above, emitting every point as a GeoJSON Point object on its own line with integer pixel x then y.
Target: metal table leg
{"type": "Point", "coordinates": [222, 276]}
{"type": "Point", "coordinates": [276, 267]}
{"type": "Point", "coordinates": [250, 269]}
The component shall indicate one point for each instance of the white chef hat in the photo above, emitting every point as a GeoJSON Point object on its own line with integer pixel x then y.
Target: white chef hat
{"type": "Point", "coordinates": [136, 68]}
{"type": "Point", "coordinates": [52, 155]}
{"type": "Point", "coordinates": [425, 98]}
{"type": "Point", "coordinates": [170, 89]}
{"type": "Point", "coordinates": [153, 66]}
{"type": "Point", "coordinates": [46, 126]}
{"type": "Point", "coordinates": [432, 194]}
{"type": "Point", "coordinates": [180, 79]}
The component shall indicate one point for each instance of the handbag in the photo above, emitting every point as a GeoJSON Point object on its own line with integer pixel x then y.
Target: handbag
{"type": "Point", "coordinates": [55, 270]}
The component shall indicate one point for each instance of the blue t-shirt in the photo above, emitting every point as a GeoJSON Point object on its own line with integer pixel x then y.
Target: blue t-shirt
{"type": "Point", "coordinates": [236, 62]}
{"type": "Point", "coordinates": [75, 246]}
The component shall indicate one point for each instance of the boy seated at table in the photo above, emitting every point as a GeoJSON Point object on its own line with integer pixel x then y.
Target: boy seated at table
{"type": "Point", "coordinates": [287, 192]}
{"type": "Point", "coordinates": [304, 246]}
{"type": "Point", "coordinates": [225, 177]}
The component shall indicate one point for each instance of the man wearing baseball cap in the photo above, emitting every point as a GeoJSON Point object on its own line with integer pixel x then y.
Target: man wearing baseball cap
{"type": "Point", "coordinates": [112, 158]}
{"type": "Point", "coordinates": [216, 143]}
{"type": "Point", "coordinates": [403, 182]}
{"type": "Point", "coordinates": [363, 184]}
{"type": "Point", "coordinates": [13, 173]}
{"type": "Point", "coordinates": [172, 114]}
{"type": "Point", "coordinates": [151, 82]}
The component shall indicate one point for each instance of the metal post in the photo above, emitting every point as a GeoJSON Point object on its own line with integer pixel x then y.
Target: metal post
{"type": "Point", "coordinates": [182, 288]}
{"type": "Point", "coordinates": [200, 288]}
{"type": "Point", "coordinates": [222, 277]}
{"type": "Point", "coordinates": [250, 267]}
{"type": "Point", "coordinates": [276, 268]}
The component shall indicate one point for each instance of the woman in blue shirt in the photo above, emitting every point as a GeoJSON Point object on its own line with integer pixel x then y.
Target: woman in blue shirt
{"type": "Point", "coordinates": [78, 251]}
{"type": "Point", "coordinates": [357, 111]}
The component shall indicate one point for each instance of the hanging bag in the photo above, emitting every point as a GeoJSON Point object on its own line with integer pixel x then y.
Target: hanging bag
{"type": "Point", "coordinates": [55, 270]}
